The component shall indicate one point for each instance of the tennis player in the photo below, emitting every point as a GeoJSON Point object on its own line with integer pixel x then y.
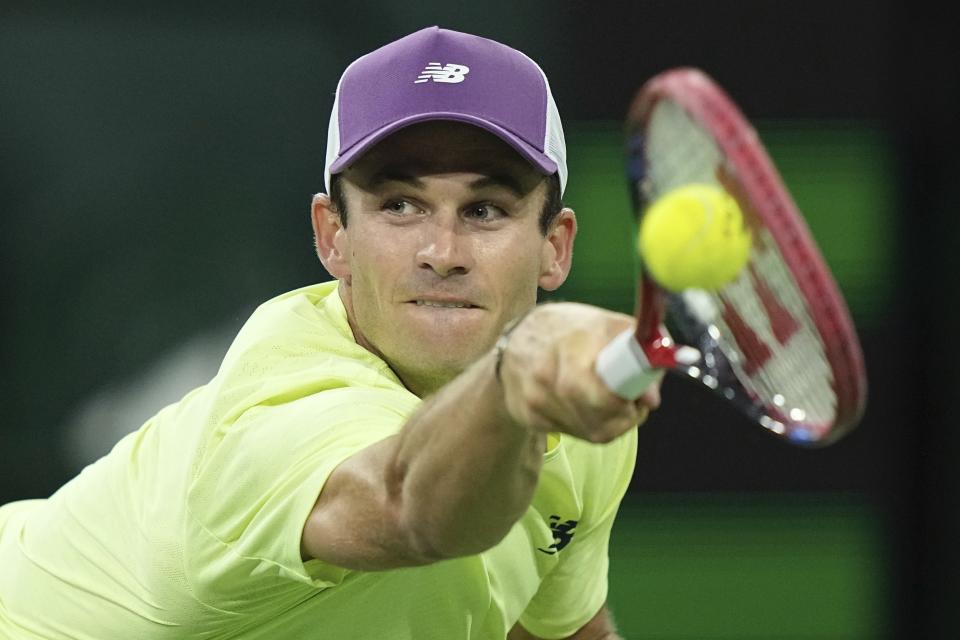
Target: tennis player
{"type": "Point", "coordinates": [415, 450]}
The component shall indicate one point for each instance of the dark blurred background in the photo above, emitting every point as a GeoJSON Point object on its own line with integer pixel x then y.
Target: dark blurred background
{"type": "Point", "coordinates": [156, 166]}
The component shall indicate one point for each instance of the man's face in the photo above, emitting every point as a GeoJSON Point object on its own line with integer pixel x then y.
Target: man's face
{"type": "Point", "coordinates": [442, 247]}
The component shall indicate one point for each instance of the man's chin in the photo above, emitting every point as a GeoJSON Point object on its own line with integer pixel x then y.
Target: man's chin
{"type": "Point", "coordinates": [449, 334]}
{"type": "Point", "coordinates": [426, 380]}
{"type": "Point", "coordinates": [449, 362]}
{"type": "Point", "coordinates": [438, 361]}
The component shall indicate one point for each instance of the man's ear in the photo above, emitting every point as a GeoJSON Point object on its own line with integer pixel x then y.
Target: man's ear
{"type": "Point", "coordinates": [330, 237]}
{"type": "Point", "coordinates": [556, 258]}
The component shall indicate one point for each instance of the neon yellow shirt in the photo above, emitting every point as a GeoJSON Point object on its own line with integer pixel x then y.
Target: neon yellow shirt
{"type": "Point", "coordinates": [190, 527]}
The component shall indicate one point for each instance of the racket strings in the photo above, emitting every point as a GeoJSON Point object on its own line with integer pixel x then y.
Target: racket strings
{"type": "Point", "coordinates": [790, 372]}
{"type": "Point", "coordinates": [790, 377]}
{"type": "Point", "coordinates": [804, 368]}
{"type": "Point", "coordinates": [675, 160]}
{"type": "Point", "coordinates": [764, 327]}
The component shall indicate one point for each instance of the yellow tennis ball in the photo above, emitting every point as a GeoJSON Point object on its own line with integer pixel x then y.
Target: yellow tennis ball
{"type": "Point", "coordinates": [694, 237]}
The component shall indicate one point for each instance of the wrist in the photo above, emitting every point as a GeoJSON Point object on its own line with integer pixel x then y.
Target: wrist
{"type": "Point", "coordinates": [508, 392]}
{"type": "Point", "coordinates": [500, 348]}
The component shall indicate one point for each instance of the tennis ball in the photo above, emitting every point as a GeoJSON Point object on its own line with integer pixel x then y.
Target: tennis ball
{"type": "Point", "coordinates": [694, 237]}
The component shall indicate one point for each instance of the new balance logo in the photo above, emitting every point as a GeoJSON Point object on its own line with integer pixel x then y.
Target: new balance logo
{"type": "Point", "coordinates": [562, 534]}
{"type": "Point", "coordinates": [450, 73]}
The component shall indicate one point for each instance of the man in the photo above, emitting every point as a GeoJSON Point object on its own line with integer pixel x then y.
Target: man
{"type": "Point", "coordinates": [414, 450]}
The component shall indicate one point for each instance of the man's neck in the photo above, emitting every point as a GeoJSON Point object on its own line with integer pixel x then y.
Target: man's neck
{"type": "Point", "coordinates": [421, 384]}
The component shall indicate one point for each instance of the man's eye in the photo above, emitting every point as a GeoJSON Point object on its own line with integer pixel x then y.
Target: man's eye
{"type": "Point", "coordinates": [484, 212]}
{"type": "Point", "coordinates": [399, 208]}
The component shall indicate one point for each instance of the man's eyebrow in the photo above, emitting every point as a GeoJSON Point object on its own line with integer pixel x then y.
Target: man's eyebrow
{"type": "Point", "coordinates": [395, 175]}
{"type": "Point", "coordinates": [505, 180]}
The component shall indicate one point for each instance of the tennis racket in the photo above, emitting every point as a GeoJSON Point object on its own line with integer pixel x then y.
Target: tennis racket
{"type": "Point", "coordinates": [778, 341]}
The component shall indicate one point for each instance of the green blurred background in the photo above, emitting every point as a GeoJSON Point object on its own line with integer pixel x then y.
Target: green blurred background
{"type": "Point", "coordinates": [753, 562]}
{"type": "Point", "coordinates": [156, 166]}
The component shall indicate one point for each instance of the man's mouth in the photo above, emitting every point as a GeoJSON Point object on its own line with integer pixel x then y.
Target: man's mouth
{"type": "Point", "coordinates": [445, 304]}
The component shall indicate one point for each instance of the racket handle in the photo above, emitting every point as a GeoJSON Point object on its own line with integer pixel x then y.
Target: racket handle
{"type": "Point", "coordinates": [624, 367]}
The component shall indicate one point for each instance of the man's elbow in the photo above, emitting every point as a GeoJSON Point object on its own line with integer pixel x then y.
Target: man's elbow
{"type": "Point", "coordinates": [433, 541]}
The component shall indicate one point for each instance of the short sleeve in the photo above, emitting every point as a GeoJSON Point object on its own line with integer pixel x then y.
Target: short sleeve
{"type": "Point", "coordinates": [575, 590]}
{"type": "Point", "coordinates": [256, 488]}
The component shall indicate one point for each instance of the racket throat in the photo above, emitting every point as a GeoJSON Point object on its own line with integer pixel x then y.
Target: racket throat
{"type": "Point", "coordinates": [629, 368]}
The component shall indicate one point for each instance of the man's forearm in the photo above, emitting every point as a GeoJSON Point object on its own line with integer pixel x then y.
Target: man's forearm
{"type": "Point", "coordinates": [464, 471]}
{"type": "Point", "coordinates": [464, 467]}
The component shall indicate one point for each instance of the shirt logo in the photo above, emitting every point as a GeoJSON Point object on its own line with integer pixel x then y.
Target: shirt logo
{"type": "Point", "coordinates": [449, 73]}
{"type": "Point", "coordinates": [562, 534]}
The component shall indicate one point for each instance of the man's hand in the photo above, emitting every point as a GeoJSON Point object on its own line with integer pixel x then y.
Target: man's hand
{"type": "Point", "coordinates": [549, 380]}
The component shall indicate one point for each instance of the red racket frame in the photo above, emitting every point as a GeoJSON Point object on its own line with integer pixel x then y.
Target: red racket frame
{"type": "Point", "coordinates": [764, 190]}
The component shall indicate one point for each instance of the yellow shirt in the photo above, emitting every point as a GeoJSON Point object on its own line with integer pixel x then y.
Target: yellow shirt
{"type": "Point", "coordinates": [190, 527]}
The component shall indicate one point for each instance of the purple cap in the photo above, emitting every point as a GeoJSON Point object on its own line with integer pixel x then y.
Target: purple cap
{"type": "Point", "coordinates": [436, 74]}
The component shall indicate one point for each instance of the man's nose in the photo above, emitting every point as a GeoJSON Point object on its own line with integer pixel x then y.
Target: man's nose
{"type": "Point", "coordinates": [445, 248]}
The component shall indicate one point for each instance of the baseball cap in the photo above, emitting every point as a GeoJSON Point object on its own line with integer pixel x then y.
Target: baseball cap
{"type": "Point", "coordinates": [438, 74]}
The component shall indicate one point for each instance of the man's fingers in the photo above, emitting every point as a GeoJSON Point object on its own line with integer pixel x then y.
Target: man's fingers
{"type": "Point", "coordinates": [651, 397]}
{"type": "Point", "coordinates": [643, 413]}
{"type": "Point", "coordinates": [550, 379]}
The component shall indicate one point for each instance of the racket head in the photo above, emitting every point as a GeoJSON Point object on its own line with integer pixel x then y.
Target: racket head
{"type": "Point", "coordinates": [778, 341]}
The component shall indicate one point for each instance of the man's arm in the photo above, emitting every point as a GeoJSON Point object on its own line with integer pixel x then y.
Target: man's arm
{"type": "Point", "coordinates": [464, 468]}
{"type": "Point", "coordinates": [600, 627]}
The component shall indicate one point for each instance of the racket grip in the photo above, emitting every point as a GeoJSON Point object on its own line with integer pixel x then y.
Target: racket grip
{"type": "Point", "coordinates": [624, 367]}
